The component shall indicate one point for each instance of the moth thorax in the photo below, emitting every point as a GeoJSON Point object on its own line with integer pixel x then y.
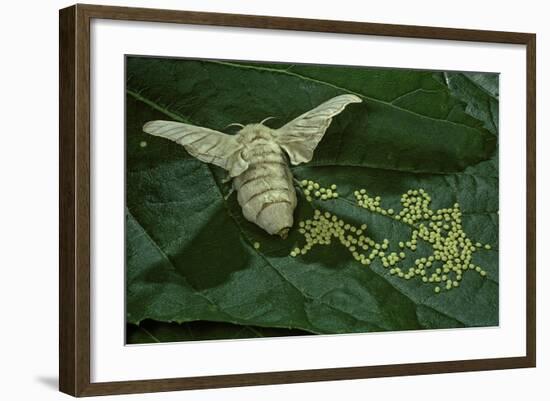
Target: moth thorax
{"type": "Point", "coordinates": [255, 132]}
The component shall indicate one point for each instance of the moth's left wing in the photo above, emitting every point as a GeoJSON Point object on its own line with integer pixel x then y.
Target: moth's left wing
{"type": "Point", "coordinates": [205, 144]}
{"type": "Point", "coordinates": [300, 137]}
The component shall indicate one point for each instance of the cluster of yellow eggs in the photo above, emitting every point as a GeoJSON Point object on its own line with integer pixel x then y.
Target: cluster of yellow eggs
{"type": "Point", "coordinates": [313, 190]}
{"type": "Point", "coordinates": [451, 251]}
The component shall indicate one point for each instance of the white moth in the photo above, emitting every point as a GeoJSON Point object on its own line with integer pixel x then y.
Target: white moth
{"type": "Point", "coordinates": [256, 158]}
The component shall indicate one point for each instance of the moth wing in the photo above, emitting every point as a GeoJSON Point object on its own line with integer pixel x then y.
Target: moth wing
{"type": "Point", "coordinates": [300, 137]}
{"type": "Point", "coordinates": [205, 144]}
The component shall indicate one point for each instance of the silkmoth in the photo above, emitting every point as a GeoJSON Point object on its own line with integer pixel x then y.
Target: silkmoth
{"type": "Point", "coordinates": [257, 157]}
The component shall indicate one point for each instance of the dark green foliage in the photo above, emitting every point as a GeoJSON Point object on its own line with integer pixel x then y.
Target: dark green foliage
{"type": "Point", "coordinates": [190, 254]}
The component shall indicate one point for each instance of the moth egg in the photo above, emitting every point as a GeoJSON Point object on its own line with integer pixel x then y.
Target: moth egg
{"type": "Point", "coordinates": [256, 245]}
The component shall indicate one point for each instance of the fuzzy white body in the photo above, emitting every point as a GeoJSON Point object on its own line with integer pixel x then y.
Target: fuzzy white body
{"type": "Point", "coordinates": [257, 158]}
{"type": "Point", "coordinates": [265, 190]}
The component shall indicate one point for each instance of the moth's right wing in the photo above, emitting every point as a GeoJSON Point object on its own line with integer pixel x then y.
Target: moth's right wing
{"type": "Point", "coordinates": [205, 144]}
{"type": "Point", "coordinates": [300, 137]}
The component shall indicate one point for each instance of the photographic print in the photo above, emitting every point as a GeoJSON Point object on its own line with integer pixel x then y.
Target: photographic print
{"type": "Point", "coordinates": [277, 199]}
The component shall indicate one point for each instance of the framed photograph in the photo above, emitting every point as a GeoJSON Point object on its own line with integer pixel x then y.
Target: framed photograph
{"type": "Point", "coordinates": [251, 200]}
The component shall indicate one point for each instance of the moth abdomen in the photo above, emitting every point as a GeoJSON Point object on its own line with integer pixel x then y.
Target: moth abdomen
{"type": "Point", "coordinates": [265, 191]}
{"type": "Point", "coordinates": [276, 217]}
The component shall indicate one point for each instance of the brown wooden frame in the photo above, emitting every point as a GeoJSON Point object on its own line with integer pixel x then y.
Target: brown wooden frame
{"type": "Point", "coordinates": [74, 199]}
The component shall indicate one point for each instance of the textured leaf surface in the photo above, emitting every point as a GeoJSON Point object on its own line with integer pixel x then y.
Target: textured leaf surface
{"type": "Point", "coordinates": [151, 331]}
{"type": "Point", "coordinates": [190, 253]}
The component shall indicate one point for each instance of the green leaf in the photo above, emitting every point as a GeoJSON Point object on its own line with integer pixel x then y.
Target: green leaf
{"type": "Point", "coordinates": [151, 331]}
{"type": "Point", "coordinates": [190, 253]}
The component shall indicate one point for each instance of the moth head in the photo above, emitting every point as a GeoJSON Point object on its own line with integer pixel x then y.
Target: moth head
{"type": "Point", "coordinates": [284, 233]}
{"type": "Point", "coordinates": [248, 126]}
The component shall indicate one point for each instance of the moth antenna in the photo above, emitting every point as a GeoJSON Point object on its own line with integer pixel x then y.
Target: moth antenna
{"type": "Point", "coordinates": [234, 124]}
{"type": "Point", "coordinates": [266, 119]}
